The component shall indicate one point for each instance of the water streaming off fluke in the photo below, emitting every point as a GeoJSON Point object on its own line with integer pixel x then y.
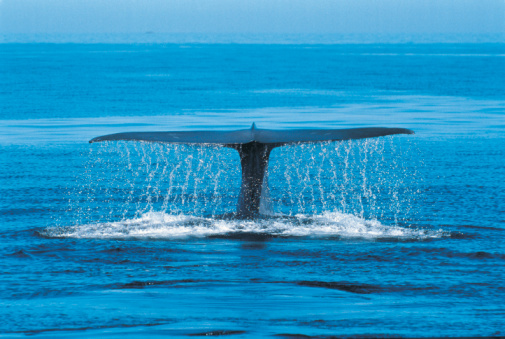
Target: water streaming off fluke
{"type": "Point", "coordinates": [142, 189]}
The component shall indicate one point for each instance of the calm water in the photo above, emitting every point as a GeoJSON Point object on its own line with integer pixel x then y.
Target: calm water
{"type": "Point", "coordinates": [397, 236]}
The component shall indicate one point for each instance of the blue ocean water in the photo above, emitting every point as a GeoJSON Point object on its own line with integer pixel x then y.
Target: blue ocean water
{"type": "Point", "coordinates": [400, 236]}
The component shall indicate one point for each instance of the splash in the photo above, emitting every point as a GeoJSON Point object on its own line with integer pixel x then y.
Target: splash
{"type": "Point", "coordinates": [160, 225]}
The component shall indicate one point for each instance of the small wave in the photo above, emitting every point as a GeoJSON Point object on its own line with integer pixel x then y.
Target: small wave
{"type": "Point", "coordinates": [447, 253]}
{"type": "Point", "coordinates": [143, 284]}
{"type": "Point", "coordinates": [20, 254]}
{"type": "Point", "coordinates": [216, 333]}
{"type": "Point", "coordinates": [361, 288]}
{"type": "Point", "coordinates": [159, 225]}
{"type": "Point", "coordinates": [158, 75]}
{"type": "Point", "coordinates": [342, 286]}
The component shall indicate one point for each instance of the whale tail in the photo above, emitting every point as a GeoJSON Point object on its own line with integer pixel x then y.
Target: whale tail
{"type": "Point", "coordinates": [254, 146]}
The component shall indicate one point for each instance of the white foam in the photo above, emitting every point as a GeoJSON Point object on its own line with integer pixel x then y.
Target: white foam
{"type": "Point", "coordinates": [159, 225]}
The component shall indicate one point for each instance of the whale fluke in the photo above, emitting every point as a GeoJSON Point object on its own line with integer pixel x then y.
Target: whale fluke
{"type": "Point", "coordinates": [264, 136]}
{"type": "Point", "coordinates": [254, 146]}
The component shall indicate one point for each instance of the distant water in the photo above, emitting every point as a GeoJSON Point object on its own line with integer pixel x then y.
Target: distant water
{"type": "Point", "coordinates": [399, 236]}
{"type": "Point", "coordinates": [254, 38]}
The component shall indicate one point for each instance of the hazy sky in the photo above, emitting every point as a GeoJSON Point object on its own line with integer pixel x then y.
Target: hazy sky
{"type": "Point", "coordinates": [252, 16]}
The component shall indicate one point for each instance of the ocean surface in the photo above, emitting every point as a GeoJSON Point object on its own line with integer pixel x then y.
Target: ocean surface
{"type": "Point", "coordinates": [399, 236]}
